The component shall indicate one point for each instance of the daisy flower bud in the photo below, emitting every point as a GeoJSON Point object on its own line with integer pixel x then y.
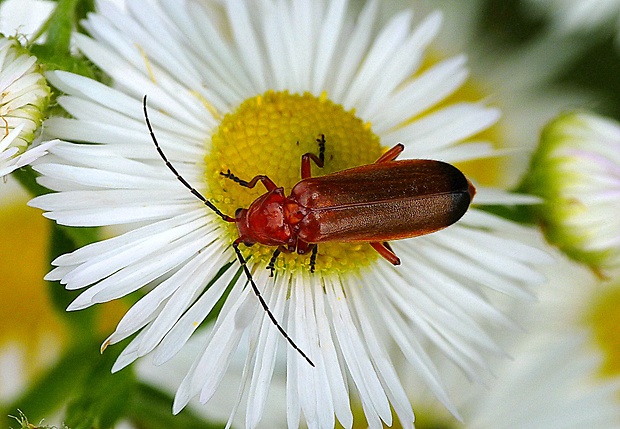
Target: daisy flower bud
{"type": "Point", "coordinates": [576, 169]}
{"type": "Point", "coordinates": [24, 96]}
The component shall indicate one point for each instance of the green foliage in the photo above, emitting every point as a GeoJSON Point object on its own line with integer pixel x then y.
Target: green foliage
{"type": "Point", "coordinates": [102, 398]}
{"type": "Point", "coordinates": [55, 53]}
{"type": "Point", "coordinates": [51, 391]}
{"type": "Point", "coordinates": [151, 408]}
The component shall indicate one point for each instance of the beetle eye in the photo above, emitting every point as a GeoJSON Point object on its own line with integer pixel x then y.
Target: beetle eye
{"type": "Point", "coordinates": [238, 211]}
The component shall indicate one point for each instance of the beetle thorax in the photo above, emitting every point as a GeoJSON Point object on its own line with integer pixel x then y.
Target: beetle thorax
{"type": "Point", "coordinates": [270, 220]}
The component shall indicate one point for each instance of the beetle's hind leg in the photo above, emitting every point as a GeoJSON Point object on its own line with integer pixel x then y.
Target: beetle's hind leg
{"type": "Point", "coordinates": [386, 251]}
{"type": "Point", "coordinates": [391, 154]}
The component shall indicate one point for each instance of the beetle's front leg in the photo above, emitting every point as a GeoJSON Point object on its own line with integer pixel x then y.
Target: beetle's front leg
{"type": "Point", "coordinates": [272, 262]}
{"type": "Point", "coordinates": [266, 181]}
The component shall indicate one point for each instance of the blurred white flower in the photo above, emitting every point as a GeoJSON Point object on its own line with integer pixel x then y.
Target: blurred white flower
{"type": "Point", "coordinates": [579, 16]}
{"type": "Point", "coordinates": [24, 17]}
{"type": "Point", "coordinates": [248, 87]}
{"type": "Point", "coordinates": [552, 382]}
{"type": "Point", "coordinates": [554, 378]}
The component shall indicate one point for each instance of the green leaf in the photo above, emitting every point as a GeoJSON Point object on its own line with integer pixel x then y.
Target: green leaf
{"type": "Point", "coordinates": [55, 53]}
{"type": "Point", "coordinates": [65, 240]}
{"type": "Point", "coordinates": [27, 178]}
{"type": "Point", "coordinates": [103, 397]}
{"type": "Point", "coordinates": [82, 381]}
{"type": "Point", "coordinates": [152, 408]}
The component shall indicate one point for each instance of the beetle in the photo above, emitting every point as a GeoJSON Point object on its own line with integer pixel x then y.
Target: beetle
{"type": "Point", "coordinates": [373, 203]}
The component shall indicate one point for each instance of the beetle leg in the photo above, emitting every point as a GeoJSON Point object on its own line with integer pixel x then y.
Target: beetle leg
{"type": "Point", "coordinates": [303, 248]}
{"type": "Point", "coordinates": [386, 251]}
{"type": "Point", "coordinates": [391, 154]}
{"type": "Point", "coordinates": [266, 181]}
{"type": "Point", "coordinates": [271, 266]}
{"type": "Point", "coordinates": [306, 172]}
{"type": "Point", "coordinates": [315, 249]}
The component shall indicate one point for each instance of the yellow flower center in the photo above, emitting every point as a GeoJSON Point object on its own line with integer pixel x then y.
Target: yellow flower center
{"type": "Point", "coordinates": [604, 318]}
{"type": "Point", "coordinates": [268, 134]}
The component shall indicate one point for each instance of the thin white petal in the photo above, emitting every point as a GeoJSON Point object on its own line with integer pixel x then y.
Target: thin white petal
{"type": "Point", "coordinates": [354, 51]}
{"type": "Point", "coordinates": [444, 127]}
{"type": "Point", "coordinates": [383, 47]}
{"type": "Point", "coordinates": [373, 397]}
{"type": "Point", "coordinates": [191, 320]}
{"type": "Point", "coordinates": [247, 42]}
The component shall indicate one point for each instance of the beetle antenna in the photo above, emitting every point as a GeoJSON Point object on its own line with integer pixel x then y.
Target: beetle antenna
{"type": "Point", "coordinates": [235, 244]}
{"type": "Point", "coordinates": [265, 306]}
{"type": "Point", "coordinates": [176, 173]}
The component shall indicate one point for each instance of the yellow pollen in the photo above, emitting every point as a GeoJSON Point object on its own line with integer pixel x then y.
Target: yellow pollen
{"type": "Point", "coordinates": [147, 63]}
{"type": "Point", "coordinates": [268, 134]}
{"type": "Point", "coordinates": [210, 107]}
{"type": "Point", "coordinates": [6, 126]}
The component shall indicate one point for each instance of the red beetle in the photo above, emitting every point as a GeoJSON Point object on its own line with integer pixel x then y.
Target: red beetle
{"type": "Point", "coordinates": [374, 203]}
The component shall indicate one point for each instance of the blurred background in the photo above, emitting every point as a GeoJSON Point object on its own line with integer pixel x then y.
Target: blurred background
{"type": "Point", "coordinates": [535, 58]}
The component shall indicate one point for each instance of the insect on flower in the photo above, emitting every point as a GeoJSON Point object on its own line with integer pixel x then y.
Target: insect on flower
{"type": "Point", "coordinates": [374, 203]}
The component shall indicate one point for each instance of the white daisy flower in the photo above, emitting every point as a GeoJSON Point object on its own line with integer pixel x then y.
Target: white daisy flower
{"type": "Point", "coordinates": [24, 95]}
{"type": "Point", "coordinates": [248, 87]}
{"type": "Point", "coordinates": [576, 169]}
{"type": "Point", "coordinates": [24, 17]}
